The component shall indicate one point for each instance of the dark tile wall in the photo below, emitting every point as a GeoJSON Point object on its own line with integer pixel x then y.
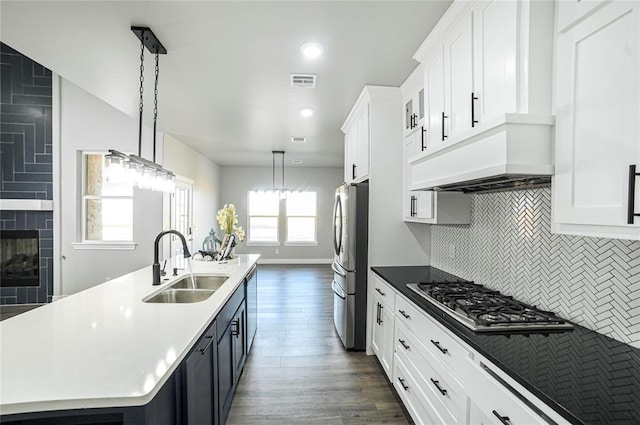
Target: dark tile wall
{"type": "Point", "coordinates": [25, 127]}
{"type": "Point", "coordinates": [26, 160]}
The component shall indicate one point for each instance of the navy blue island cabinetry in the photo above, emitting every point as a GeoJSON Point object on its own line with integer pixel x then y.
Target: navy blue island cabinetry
{"type": "Point", "coordinates": [198, 392]}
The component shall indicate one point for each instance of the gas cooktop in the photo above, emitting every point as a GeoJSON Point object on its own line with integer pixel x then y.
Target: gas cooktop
{"type": "Point", "coordinates": [484, 310]}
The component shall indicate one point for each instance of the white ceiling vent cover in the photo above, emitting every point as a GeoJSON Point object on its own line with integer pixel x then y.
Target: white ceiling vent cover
{"type": "Point", "coordinates": [299, 139]}
{"type": "Point", "coordinates": [305, 81]}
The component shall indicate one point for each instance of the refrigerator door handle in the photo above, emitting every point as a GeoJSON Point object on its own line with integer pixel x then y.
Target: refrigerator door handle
{"type": "Point", "coordinates": [337, 270]}
{"type": "Point", "coordinates": [337, 224]}
{"type": "Point", "coordinates": [338, 290]}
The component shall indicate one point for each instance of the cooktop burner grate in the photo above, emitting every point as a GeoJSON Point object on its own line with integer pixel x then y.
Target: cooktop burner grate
{"type": "Point", "coordinates": [486, 310]}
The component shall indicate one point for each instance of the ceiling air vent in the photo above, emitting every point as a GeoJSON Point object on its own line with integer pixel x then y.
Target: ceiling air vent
{"type": "Point", "coordinates": [297, 162]}
{"type": "Point", "coordinates": [305, 81]}
{"type": "Point", "coordinates": [299, 139]}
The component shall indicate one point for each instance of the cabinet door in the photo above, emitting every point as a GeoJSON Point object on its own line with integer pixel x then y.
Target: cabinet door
{"type": "Point", "coordinates": [425, 203]}
{"type": "Point", "coordinates": [434, 85]}
{"type": "Point", "coordinates": [362, 124]}
{"type": "Point", "coordinates": [409, 150]}
{"type": "Point", "coordinates": [495, 36]}
{"type": "Point", "coordinates": [239, 333]}
{"type": "Point", "coordinates": [351, 154]}
{"type": "Point", "coordinates": [200, 380]}
{"type": "Point", "coordinates": [382, 338]}
{"type": "Point", "coordinates": [226, 372]}
{"type": "Point", "coordinates": [458, 54]}
{"type": "Point", "coordinates": [597, 125]}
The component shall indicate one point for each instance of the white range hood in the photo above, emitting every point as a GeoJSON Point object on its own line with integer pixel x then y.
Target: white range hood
{"type": "Point", "coordinates": [515, 152]}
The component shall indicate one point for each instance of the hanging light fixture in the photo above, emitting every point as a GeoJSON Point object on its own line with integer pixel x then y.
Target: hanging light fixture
{"type": "Point", "coordinates": [281, 190]}
{"type": "Point", "coordinates": [138, 171]}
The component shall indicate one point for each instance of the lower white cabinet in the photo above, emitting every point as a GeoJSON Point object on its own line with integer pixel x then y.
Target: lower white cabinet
{"type": "Point", "coordinates": [439, 378]}
{"type": "Point", "coordinates": [383, 318]}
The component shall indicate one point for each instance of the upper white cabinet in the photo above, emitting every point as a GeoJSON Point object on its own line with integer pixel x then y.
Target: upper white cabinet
{"type": "Point", "coordinates": [357, 144]}
{"type": "Point", "coordinates": [597, 100]}
{"type": "Point", "coordinates": [487, 76]}
{"type": "Point", "coordinates": [413, 101]}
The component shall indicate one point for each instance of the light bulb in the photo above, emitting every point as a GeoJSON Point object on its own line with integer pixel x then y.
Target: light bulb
{"type": "Point", "coordinates": [312, 49]}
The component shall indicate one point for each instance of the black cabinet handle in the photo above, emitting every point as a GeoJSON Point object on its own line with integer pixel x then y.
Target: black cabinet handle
{"type": "Point", "coordinates": [504, 419]}
{"type": "Point", "coordinates": [381, 307]}
{"type": "Point", "coordinates": [204, 350]}
{"type": "Point", "coordinates": [443, 118]}
{"type": "Point", "coordinates": [236, 331]}
{"type": "Point", "coordinates": [404, 314]}
{"type": "Point", "coordinates": [424, 131]}
{"type": "Point", "coordinates": [437, 344]}
{"type": "Point", "coordinates": [473, 110]}
{"type": "Point", "coordinates": [437, 385]}
{"type": "Point", "coordinates": [414, 120]}
{"type": "Point", "coordinates": [404, 344]}
{"type": "Point", "coordinates": [353, 171]}
{"type": "Point", "coordinates": [413, 206]}
{"type": "Point", "coordinates": [378, 313]}
{"type": "Point", "coordinates": [404, 386]}
{"type": "Point", "coordinates": [631, 207]}
{"type": "Point", "coordinates": [380, 292]}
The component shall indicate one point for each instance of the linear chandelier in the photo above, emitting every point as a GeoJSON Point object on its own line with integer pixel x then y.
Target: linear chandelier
{"type": "Point", "coordinates": [134, 169]}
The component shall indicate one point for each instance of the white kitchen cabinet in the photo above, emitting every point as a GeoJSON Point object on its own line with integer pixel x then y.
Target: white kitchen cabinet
{"type": "Point", "coordinates": [383, 297]}
{"type": "Point", "coordinates": [487, 76]}
{"type": "Point", "coordinates": [572, 11]}
{"type": "Point", "coordinates": [413, 102]}
{"type": "Point", "coordinates": [357, 145]}
{"type": "Point", "coordinates": [597, 98]}
{"type": "Point", "coordinates": [426, 206]}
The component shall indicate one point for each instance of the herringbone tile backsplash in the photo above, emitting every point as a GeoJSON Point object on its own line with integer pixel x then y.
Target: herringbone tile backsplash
{"type": "Point", "coordinates": [508, 246]}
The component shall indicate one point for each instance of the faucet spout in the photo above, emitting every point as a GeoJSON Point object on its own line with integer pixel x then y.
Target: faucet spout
{"type": "Point", "coordinates": [156, 263]}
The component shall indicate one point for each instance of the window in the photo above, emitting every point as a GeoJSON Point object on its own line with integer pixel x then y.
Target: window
{"type": "Point", "coordinates": [264, 210]}
{"type": "Point", "coordinates": [301, 216]}
{"type": "Point", "coordinates": [107, 206]}
{"type": "Point", "coordinates": [268, 211]}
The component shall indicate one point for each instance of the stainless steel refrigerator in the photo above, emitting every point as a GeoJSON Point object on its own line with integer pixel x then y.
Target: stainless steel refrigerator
{"type": "Point", "coordinates": [350, 244]}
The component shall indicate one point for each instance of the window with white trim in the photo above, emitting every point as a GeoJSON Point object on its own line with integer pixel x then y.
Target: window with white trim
{"type": "Point", "coordinates": [301, 217]}
{"type": "Point", "coordinates": [107, 206]}
{"type": "Point", "coordinates": [263, 213]}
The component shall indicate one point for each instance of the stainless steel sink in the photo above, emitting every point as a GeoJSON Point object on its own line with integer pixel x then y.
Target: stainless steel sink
{"type": "Point", "coordinates": [201, 282]}
{"type": "Point", "coordinates": [180, 296]}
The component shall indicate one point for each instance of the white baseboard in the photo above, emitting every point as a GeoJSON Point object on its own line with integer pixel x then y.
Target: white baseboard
{"type": "Point", "coordinates": [295, 260]}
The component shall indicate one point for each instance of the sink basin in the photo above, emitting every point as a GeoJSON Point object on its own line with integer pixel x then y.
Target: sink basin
{"type": "Point", "coordinates": [180, 296]}
{"type": "Point", "coordinates": [202, 282]}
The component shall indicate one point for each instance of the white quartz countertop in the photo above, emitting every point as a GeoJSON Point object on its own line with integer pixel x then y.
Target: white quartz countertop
{"type": "Point", "coordinates": [105, 347]}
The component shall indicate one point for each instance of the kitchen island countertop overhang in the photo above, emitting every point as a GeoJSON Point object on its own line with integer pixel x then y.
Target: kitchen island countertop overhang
{"type": "Point", "coordinates": [105, 346]}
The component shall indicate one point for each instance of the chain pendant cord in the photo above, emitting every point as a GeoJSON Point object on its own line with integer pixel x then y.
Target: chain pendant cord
{"type": "Point", "coordinates": [141, 94]}
{"type": "Point", "coordinates": [155, 107]}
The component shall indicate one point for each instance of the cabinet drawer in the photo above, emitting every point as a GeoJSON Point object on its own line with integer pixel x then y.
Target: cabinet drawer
{"type": "Point", "coordinates": [385, 293]}
{"type": "Point", "coordinates": [442, 346]}
{"type": "Point", "coordinates": [413, 398]}
{"type": "Point", "coordinates": [443, 389]}
{"type": "Point", "coordinates": [491, 400]}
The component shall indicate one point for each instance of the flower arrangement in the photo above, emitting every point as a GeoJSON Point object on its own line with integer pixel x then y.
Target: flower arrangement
{"type": "Point", "coordinates": [228, 220]}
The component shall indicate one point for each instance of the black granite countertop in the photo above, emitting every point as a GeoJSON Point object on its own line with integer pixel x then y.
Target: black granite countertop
{"type": "Point", "coordinates": [586, 377]}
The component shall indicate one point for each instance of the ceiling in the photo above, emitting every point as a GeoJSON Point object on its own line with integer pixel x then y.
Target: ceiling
{"type": "Point", "coordinates": [224, 83]}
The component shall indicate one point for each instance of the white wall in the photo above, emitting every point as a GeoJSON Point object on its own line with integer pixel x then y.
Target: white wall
{"type": "Point", "coordinates": [237, 181]}
{"type": "Point", "coordinates": [186, 162]}
{"type": "Point", "coordinates": [88, 123]}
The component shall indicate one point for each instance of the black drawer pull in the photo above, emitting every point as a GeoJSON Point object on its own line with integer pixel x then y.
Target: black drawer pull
{"type": "Point", "coordinates": [381, 307]}
{"type": "Point", "coordinates": [423, 146]}
{"type": "Point", "coordinates": [437, 344]}
{"type": "Point", "coordinates": [444, 136]}
{"type": "Point", "coordinates": [631, 206]}
{"type": "Point", "coordinates": [437, 384]}
{"type": "Point", "coordinates": [404, 314]}
{"type": "Point", "coordinates": [403, 343]}
{"type": "Point", "coordinates": [378, 313]}
{"type": "Point", "coordinates": [236, 328]}
{"type": "Point", "coordinates": [353, 171]}
{"type": "Point", "coordinates": [412, 207]}
{"type": "Point", "coordinates": [504, 419]}
{"type": "Point", "coordinates": [380, 292]}
{"type": "Point", "coordinates": [404, 386]}
{"type": "Point", "coordinates": [204, 350]}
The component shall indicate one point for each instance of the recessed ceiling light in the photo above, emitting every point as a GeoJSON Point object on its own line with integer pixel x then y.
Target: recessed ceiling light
{"type": "Point", "coordinates": [306, 112]}
{"type": "Point", "coordinates": [312, 49]}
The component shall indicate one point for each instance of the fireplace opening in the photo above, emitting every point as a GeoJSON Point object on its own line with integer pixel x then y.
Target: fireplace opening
{"type": "Point", "coordinates": [19, 258]}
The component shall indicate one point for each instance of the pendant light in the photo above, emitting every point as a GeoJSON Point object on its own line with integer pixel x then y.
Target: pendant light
{"type": "Point", "coordinates": [138, 171]}
{"type": "Point", "coordinates": [281, 190]}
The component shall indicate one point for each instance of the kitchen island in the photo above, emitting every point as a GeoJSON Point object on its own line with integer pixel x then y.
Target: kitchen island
{"type": "Point", "coordinates": [105, 347]}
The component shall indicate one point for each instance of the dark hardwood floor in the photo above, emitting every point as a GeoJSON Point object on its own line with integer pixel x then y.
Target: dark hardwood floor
{"type": "Point", "coordinates": [297, 371]}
